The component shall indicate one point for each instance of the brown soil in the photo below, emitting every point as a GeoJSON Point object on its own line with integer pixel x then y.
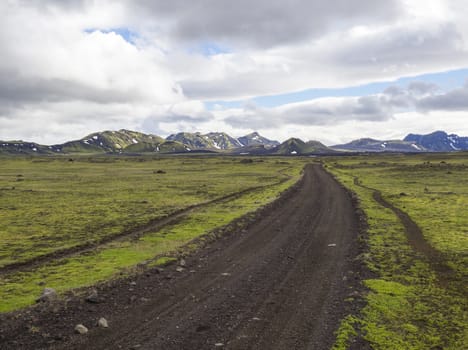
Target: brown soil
{"type": "Point", "coordinates": [276, 282]}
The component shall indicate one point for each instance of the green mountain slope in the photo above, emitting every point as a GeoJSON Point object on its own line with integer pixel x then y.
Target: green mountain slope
{"type": "Point", "coordinates": [295, 146]}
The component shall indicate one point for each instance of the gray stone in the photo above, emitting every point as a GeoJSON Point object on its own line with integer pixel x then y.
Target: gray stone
{"type": "Point", "coordinates": [93, 297]}
{"type": "Point", "coordinates": [48, 294]}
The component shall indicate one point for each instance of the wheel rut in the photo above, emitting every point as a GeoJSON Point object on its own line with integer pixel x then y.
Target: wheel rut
{"type": "Point", "coordinates": [416, 238]}
{"type": "Point", "coordinates": [152, 226]}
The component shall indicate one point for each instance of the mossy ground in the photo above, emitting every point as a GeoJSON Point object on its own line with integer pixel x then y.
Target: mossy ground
{"type": "Point", "coordinates": [407, 306]}
{"type": "Point", "coordinates": [59, 203]}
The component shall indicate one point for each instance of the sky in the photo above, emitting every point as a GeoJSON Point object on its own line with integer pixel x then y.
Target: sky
{"type": "Point", "coordinates": [331, 71]}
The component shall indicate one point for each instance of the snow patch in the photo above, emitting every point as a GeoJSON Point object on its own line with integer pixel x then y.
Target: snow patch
{"type": "Point", "coordinates": [95, 137]}
{"type": "Point", "coordinates": [293, 152]}
{"type": "Point", "coordinates": [134, 141]}
{"type": "Point", "coordinates": [34, 149]}
{"type": "Point", "coordinates": [416, 147]}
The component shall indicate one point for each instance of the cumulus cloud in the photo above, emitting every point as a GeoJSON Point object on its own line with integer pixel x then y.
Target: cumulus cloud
{"type": "Point", "coordinates": [68, 67]}
{"type": "Point", "coordinates": [261, 23]}
{"type": "Point", "coordinates": [455, 100]}
{"type": "Point", "coordinates": [417, 96]}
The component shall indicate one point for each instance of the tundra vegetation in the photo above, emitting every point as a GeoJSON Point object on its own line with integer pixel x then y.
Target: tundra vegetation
{"type": "Point", "coordinates": [418, 250]}
{"type": "Point", "coordinates": [70, 223]}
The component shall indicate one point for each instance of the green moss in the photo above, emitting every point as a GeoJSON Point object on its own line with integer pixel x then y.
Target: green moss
{"type": "Point", "coordinates": [162, 261]}
{"type": "Point", "coordinates": [407, 308]}
{"type": "Point", "coordinates": [346, 333]}
{"type": "Point", "coordinates": [194, 181]}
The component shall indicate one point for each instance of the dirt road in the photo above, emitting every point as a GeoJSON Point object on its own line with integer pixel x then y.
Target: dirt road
{"type": "Point", "coordinates": [279, 283]}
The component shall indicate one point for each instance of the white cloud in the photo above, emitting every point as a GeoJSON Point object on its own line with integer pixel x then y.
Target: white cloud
{"type": "Point", "coordinates": [65, 73]}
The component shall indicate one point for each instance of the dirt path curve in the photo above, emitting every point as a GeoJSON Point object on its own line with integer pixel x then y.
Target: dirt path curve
{"type": "Point", "coordinates": [279, 284]}
{"type": "Point", "coordinates": [416, 238]}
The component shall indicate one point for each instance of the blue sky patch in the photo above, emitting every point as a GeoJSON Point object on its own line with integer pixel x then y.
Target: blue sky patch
{"type": "Point", "coordinates": [128, 35]}
{"type": "Point", "coordinates": [209, 49]}
{"type": "Point", "coordinates": [445, 80]}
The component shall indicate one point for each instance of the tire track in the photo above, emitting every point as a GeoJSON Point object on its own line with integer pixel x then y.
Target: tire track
{"type": "Point", "coordinates": [152, 226]}
{"type": "Point", "coordinates": [416, 238]}
{"type": "Point", "coordinates": [278, 281]}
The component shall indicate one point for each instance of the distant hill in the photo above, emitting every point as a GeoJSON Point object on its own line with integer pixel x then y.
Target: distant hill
{"type": "Point", "coordinates": [109, 141]}
{"type": "Point", "coordinates": [371, 145]}
{"type": "Point", "coordinates": [439, 141]}
{"type": "Point", "coordinates": [133, 142]}
{"type": "Point", "coordinates": [22, 147]}
{"type": "Point", "coordinates": [210, 141]}
{"type": "Point", "coordinates": [255, 139]}
{"type": "Point", "coordinates": [295, 146]}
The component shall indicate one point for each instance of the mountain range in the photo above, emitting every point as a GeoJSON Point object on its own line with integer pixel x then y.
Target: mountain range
{"type": "Point", "coordinates": [133, 142]}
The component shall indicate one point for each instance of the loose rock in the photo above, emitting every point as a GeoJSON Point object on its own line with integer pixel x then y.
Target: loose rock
{"type": "Point", "coordinates": [80, 329]}
{"type": "Point", "coordinates": [103, 323]}
{"type": "Point", "coordinates": [48, 294]}
{"type": "Point", "coordinates": [93, 297]}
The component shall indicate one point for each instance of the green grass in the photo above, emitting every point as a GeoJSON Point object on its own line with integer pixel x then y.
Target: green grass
{"type": "Point", "coordinates": [114, 195]}
{"type": "Point", "coordinates": [407, 308]}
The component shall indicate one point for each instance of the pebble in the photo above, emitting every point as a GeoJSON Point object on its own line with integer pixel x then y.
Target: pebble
{"type": "Point", "coordinates": [80, 329]}
{"type": "Point", "coordinates": [93, 297]}
{"type": "Point", "coordinates": [103, 323]}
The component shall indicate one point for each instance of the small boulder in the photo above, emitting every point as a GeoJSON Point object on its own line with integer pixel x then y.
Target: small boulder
{"type": "Point", "coordinates": [182, 262]}
{"type": "Point", "coordinates": [48, 294]}
{"type": "Point", "coordinates": [80, 329]}
{"type": "Point", "coordinates": [102, 323]}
